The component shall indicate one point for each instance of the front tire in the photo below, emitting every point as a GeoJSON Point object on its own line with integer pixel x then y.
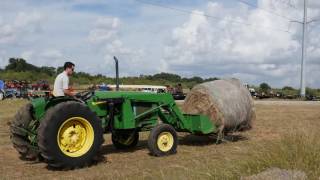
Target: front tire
{"type": "Point", "coordinates": [163, 140]}
{"type": "Point", "coordinates": [70, 136]}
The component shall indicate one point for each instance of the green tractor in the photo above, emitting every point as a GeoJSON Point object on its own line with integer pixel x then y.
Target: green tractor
{"type": "Point", "coordinates": [68, 132]}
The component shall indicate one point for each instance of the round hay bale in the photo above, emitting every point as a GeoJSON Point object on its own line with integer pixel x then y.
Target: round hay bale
{"type": "Point", "coordinates": [227, 102]}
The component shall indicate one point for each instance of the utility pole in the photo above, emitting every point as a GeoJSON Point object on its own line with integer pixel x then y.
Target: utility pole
{"type": "Point", "coordinates": [303, 53]}
{"type": "Point", "coordinates": [304, 23]}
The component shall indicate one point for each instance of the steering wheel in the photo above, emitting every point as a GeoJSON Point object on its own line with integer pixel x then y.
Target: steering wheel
{"type": "Point", "coordinates": [84, 95]}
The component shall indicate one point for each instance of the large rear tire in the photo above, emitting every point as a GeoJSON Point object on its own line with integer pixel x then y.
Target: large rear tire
{"type": "Point", "coordinates": [19, 137]}
{"type": "Point", "coordinates": [70, 136]}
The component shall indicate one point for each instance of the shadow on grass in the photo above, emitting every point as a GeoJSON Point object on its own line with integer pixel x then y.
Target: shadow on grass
{"type": "Point", "coordinates": [97, 160]}
{"type": "Point", "coordinates": [102, 156]}
{"type": "Point", "coordinates": [110, 149]}
{"type": "Point", "coordinates": [188, 140]}
{"type": "Point", "coordinates": [197, 140]}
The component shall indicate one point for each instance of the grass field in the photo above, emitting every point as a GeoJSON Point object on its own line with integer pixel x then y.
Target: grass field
{"type": "Point", "coordinates": [284, 136]}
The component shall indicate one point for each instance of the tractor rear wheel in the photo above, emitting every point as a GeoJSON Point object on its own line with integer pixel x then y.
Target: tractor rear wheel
{"type": "Point", "coordinates": [163, 140]}
{"type": "Point", "coordinates": [70, 136]}
{"type": "Point", "coordinates": [125, 139]}
{"type": "Point", "coordinates": [19, 136]}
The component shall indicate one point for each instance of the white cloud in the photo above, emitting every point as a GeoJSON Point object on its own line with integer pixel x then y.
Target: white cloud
{"type": "Point", "coordinates": [24, 19]}
{"type": "Point", "coordinates": [149, 39]}
{"type": "Point", "coordinates": [27, 54]}
{"type": "Point", "coordinates": [6, 33]}
{"type": "Point", "coordinates": [3, 61]}
{"type": "Point", "coordinates": [105, 30]}
{"type": "Point", "coordinates": [105, 35]}
{"type": "Point", "coordinates": [51, 54]}
{"type": "Point", "coordinates": [22, 24]}
{"type": "Point", "coordinates": [46, 57]}
{"type": "Point", "coordinates": [254, 50]}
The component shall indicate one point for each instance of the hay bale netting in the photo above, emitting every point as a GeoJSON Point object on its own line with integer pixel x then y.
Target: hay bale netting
{"type": "Point", "coordinates": [227, 102]}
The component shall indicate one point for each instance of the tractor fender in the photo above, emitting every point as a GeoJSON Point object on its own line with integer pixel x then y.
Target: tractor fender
{"type": "Point", "coordinates": [41, 105]}
{"type": "Point", "coordinates": [57, 100]}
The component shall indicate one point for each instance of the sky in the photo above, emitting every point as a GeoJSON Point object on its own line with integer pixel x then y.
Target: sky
{"type": "Point", "coordinates": [253, 40]}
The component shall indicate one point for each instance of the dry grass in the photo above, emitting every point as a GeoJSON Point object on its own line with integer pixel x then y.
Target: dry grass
{"type": "Point", "coordinates": [284, 136]}
{"type": "Point", "coordinates": [295, 151]}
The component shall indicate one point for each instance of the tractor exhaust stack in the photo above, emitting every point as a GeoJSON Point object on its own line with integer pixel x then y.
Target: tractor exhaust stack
{"type": "Point", "coordinates": [117, 72]}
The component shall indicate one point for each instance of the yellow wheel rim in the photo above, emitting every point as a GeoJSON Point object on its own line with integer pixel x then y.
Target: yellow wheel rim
{"type": "Point", "coordinates": [165, 141]}
{"type": "Point", "coordinates": [75, 136]}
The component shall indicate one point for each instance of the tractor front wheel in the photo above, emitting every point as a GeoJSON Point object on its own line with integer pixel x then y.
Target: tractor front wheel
{"type": "Point", "coordinates": [125, 139]}
{"type": "Point", "coordinates": [70, 136]}
{"type": "Point", "coordinates": [163, 140]}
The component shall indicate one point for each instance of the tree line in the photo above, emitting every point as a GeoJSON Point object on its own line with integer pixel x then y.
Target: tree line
{"type": "Point", "coordinates": [20, 69]}
{"type": "Point", "coordinates": [286, 90]}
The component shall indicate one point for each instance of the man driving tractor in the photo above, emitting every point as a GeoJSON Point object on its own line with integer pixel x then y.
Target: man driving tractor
{"type": "Point", "coordinates": [61, 83]}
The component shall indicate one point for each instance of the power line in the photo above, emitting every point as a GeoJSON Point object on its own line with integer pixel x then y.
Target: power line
{"type": "Point", "coordinates": [288, 3]}
{"type": "Point", "coordinates": [314, 19]}
{"type": "Point", "coordinates": [265, 10]}
{"type": "Point", "coordinates": [208, 16]}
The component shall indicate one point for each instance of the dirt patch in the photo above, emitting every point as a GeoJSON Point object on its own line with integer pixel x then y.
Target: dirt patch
{"type": "Point", "coordinates": [278, 174]}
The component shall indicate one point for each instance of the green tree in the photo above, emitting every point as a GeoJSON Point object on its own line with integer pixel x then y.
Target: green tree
{"type": "Point", "coordinates": [196, 79]}
{"type": "Point", "coordinates": [99, 76]}
{"type": "Point", "coordinates": [20, 65]}
{"type": "Point", "coordinates": [211, 79]}
{"type": "Point", "coordinates": [167, 76]}
{"type": "Point", "coordinates": [51, 71]}
{"type": "Point", "coordinates": [60, 69]}
{"type": "Point", "coordinates": [288, 88]}
{"type": "Point", "coordinates": [310, 91]}
{"type": "Point", "coordinates": [264, 87]}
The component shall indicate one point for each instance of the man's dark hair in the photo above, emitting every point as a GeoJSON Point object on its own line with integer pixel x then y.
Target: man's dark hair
{"type": "Point", "coordinates": [68, 65]}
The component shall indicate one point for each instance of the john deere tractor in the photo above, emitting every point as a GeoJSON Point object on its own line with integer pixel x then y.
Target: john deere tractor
{"type": "Point", "coordinates": [67, 132]}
